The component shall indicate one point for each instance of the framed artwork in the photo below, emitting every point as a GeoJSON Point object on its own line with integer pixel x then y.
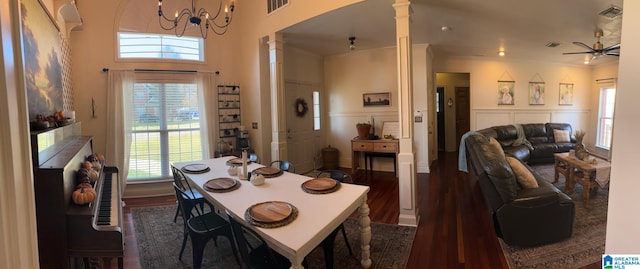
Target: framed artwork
{"type": "Point", "coordinates": [565, 94]}
{"type": "Point", "coordinates": [536, 93]}
{"type": "Point", "coordinates": [376, 99]}
{"type": "Point", "coordinates": [506, 92]}
{"type": "Point", "coordinates": [43, 59]}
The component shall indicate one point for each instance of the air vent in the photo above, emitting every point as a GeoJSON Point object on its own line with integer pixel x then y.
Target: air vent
{"type": "Point", "coordinates": [552, 44]}
{"type": "Point", "coordinates": [273, 5]}
{"type": "Point", "coordinates": [611, 12]}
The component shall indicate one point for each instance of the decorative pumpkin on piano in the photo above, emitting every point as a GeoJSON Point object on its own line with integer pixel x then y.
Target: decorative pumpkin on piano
{"type": "Point", "coordinates": [83, 194]}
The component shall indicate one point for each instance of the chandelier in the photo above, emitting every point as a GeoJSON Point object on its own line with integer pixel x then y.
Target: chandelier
{"type": "Point", "coordinates": [202, 19]}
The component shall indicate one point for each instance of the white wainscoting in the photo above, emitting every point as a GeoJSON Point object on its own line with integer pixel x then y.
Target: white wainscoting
{"type": "Point", "coordinates": [484, 118]}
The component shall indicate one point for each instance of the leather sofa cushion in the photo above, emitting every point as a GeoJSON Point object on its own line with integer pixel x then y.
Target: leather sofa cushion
{"type": "Point", "coordinates": [543, 150]}
{"type": "Point", "coordinates": [564, 147]}
{"type": "Point", "coordinates": [499, 171]}
{"type": "Point", "coordinates": [536, 133]}
{"type": "Point", "coordinates": [521, 152]}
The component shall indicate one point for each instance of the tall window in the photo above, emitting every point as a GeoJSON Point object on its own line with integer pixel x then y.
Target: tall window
{"type": "Point", "coordinates": [605, 117]}
{"type": "Point", "coordinates": [166, 126]}
{"type": "Point", "coordinates": [316, 110]}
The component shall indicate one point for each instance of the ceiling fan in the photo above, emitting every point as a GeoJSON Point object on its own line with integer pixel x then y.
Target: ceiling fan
{"type": "Point", "coordinates": [597, 49]}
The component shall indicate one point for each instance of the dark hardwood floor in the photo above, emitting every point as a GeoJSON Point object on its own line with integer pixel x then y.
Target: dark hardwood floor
{"type": "Point", "coordinates": [454, 231]}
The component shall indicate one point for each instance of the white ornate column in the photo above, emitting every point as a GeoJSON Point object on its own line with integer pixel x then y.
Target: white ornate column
{"type": "Point", "coordinates": [406, 158]}
{"type": "Point", "coordinates": [278, 117]}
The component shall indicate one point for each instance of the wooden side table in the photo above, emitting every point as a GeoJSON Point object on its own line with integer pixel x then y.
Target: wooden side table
{"type": "Point", "coordinates": [373, 148]}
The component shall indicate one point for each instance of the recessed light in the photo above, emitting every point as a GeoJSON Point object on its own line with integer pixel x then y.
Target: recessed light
{"type": "Point", "coordinates": [501, 53]}
{"type": "Point", "coordinates": [445, 28]}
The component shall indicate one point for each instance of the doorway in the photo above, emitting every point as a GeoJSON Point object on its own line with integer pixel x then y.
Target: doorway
{"type": "Point", "coordinates": [453, 109]}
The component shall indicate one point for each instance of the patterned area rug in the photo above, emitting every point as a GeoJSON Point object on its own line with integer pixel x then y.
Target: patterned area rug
{"type": "Point", "coordinates": [159, 242]}
{"type": "Point", "coordinates": [585, 246]}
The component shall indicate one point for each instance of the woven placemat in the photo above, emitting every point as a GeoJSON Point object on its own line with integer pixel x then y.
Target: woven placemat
{"type": "Point", "coordinates": [196, 168]}
{"type": "Point", "coordinates": [237, 162]}
{"type": "Point", "coordinates": [268, 172]}
{"type": "Point", "coordinates": [291, 218]}
{"type": "Point", "coordinates": [232, 188]}
{"type": "Point", "coordinates": [305, 189]}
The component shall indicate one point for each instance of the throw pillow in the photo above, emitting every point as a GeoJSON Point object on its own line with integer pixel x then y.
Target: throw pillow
{"type": "Point", "coordinates": [561, 136]}
{"type": "Point", "coordinates": [524, 177]}
{"type": "Point", "coordinates": [496, 146]}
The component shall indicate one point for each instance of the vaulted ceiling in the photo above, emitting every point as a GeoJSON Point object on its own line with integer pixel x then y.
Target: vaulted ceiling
{"type": "Point", "coordinates": [477, 28]}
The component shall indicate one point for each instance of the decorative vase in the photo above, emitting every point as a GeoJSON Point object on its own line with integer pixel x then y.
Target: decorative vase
{"type": "Point", "coordinates": [363, 131]}
{"type": "Point", "coordinates": [581, 152]}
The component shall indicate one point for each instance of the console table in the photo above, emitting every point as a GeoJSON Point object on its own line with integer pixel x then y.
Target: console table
{"type": "Point", "coordinates": [371, 149]}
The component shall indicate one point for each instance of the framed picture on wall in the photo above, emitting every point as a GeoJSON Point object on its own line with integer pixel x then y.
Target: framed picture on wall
{"type": "Point", "coordinates": [376, 99]}
{"type": "Point", "coordinates": [506, 92]}
{"type": "Point", "coordinates": [536, 93]}
{"type": "Point", "coordinates": [565, 96]}
{"type": "Point", "coordinates": [43, 53]}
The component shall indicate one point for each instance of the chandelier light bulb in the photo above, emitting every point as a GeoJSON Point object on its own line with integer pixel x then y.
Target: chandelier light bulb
{"type": "Point", "coordinates": [198, 17]}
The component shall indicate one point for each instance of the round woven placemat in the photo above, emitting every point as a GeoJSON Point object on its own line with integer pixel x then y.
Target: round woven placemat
{"type": "Point", "coordinates": [237, 162]}
{"type": "Point", "coordinates": [268, 172]}
{"type": "Point", "coordinates": [291, 218]}
{"type": "Point", "coordinates": [232, 188]}
{"type": "Point", "coordinates": [195, 171]}
{"type": "Point", "coordinates": [318, 191]}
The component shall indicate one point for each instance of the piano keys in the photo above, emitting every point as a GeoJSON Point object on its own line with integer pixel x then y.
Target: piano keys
{"type": "Point", "coordinates": [68, 233]}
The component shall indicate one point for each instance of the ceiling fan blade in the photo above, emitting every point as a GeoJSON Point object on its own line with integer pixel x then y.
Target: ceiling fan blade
{"type": "Point", "coordinates": [583, 45]}
{"type": "Point", "coordinates": [584, 52]}
{"type": "Point", "coordinates": [612, 47]}
{"type": "Point", "coordinates": [611, 53]}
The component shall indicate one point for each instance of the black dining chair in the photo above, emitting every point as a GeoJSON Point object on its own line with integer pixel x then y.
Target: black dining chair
{"type": "Point", "coordinates": [258, 255]}
{"type": "Point", "coordinates": [327, 243]}
{"type": "Point", "coordinates": [283, 165]}
{"type": "Point", "coordinates": [201, 227]}
{"type": "Point", "coordinates": [198, 200]}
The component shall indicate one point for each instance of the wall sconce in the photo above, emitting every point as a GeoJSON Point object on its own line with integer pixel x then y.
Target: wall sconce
{"type": "Point", "coordinates": [450, 102]}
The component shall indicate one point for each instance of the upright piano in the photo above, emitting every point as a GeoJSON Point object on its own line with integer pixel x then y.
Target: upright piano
{"type": "Point", "coordinates": [70, 235]}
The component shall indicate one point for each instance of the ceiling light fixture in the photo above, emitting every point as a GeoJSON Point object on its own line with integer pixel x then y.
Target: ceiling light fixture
{"type": "Point", "coordinates": [445, 28]}
{"type": "Point", "coordinates": [352, 41]}
{"type": "Point", "coordinates": [201, 19]}
{"type": "Point", "coordinates": [501, 53]}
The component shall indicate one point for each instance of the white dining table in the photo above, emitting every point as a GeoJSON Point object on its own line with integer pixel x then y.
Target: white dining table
{"type": "Point", "coordinates": [318, 214]}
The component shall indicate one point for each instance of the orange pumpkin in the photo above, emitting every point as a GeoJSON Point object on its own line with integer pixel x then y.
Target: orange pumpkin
{"type": "Point", "coordinates": [83, 194]}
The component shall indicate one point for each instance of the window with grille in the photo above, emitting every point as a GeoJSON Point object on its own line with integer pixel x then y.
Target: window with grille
{"type": "Point", "coordinates": [166, 126]}
{"type": "Point", "coordinates": [273, 5]}
{"type": "Point", "coordinates": [605, 117]}
{"type": "Point", "coordinates": [156, 46]}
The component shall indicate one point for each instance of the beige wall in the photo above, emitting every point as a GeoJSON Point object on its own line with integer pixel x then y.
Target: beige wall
{"type": "Point", "coordinates": [484, 76]}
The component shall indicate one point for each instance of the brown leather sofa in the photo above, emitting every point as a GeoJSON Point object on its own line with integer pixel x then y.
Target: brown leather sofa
{"type": "Point", "coordinates": [541, 137]}
{"type": "Point", "coordinates": [522, 217]}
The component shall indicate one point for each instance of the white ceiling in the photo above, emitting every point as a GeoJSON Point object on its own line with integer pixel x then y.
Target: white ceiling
{"type": "Point", "coordinates": [479, 28]}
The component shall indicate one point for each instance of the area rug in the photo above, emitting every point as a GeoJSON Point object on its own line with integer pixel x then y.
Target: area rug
{"type": "Point", "coordinates": [585, 246]}
{"type": "Point", "coordinates": [159, 242]}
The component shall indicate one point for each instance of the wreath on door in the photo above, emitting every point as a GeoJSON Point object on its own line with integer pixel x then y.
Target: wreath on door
{"type": "Point", "coordinates": [301, 107]}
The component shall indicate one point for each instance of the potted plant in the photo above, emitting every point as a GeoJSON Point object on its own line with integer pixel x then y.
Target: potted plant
{"type": "Point", "coordinates": [363, 130]}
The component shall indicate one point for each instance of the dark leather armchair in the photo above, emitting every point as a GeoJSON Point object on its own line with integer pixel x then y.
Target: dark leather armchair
{"type": "Point", "coordinates": [522, 217]}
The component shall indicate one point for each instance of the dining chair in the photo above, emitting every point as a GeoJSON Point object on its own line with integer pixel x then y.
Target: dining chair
{"type": "Point", "coordinates": [338, 175]}
{"type": "Point", "coordinates": [284, 165]}
{"type": "Point", "coordinates": [179, 179]}
{"type": "Point", "coordinates": [201, 227]}
{"type": "Point", "coordinates": [327, 243]}
{"type": "Point", "coordinates": [258, 255]}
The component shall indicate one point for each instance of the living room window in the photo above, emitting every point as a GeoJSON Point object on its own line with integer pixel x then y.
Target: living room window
{"type": "Point", "coordinates": [157, 46]}
{"type": "Point", "coordinates": [316, 110]}
{"type": "Point", "coordinates": [166, 125]}
{"type": "Point", "coordinates": [605, 117]}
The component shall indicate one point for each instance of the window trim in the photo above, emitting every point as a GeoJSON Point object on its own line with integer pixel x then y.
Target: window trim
{"type": "Point", "coordinates": [601, 118]}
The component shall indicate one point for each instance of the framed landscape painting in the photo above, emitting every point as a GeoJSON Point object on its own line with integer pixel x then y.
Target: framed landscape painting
{"type": "Point", "coordinates": [376, 99]}
{"type": "Point", "coordinates": [43, 63]}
